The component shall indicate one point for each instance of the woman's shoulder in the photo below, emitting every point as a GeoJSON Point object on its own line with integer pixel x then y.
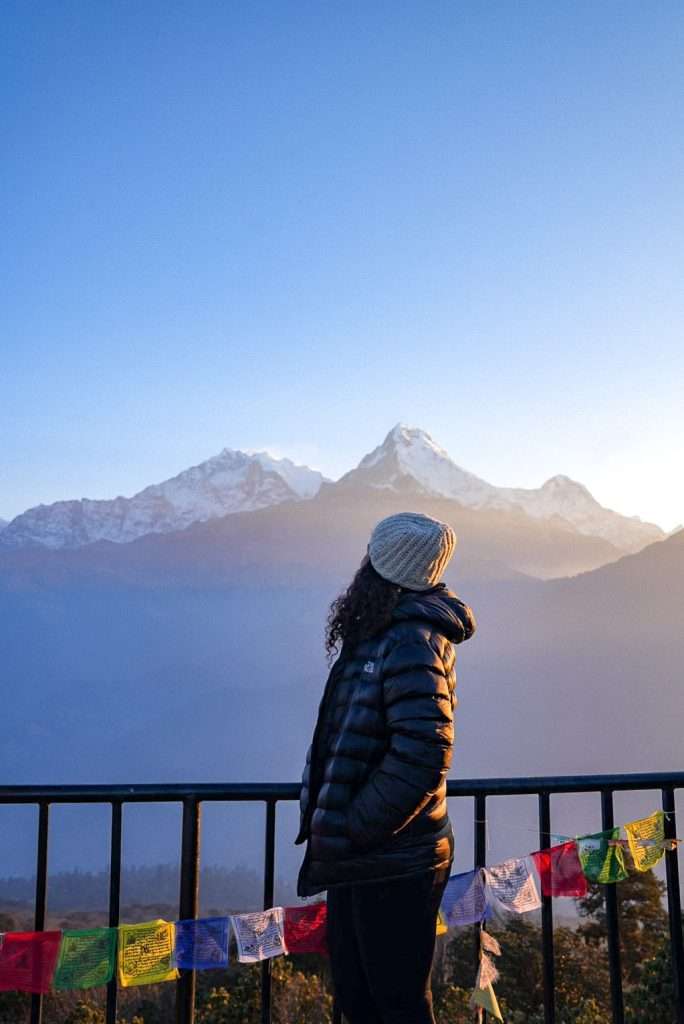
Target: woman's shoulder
{"type": "Point", "coordinates": [398, 640]}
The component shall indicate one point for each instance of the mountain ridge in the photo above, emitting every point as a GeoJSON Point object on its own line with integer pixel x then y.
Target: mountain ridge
{"type": "Point", "coordinates": [409, 453]}
{"type": "Point", "coordinates": [408, 463]}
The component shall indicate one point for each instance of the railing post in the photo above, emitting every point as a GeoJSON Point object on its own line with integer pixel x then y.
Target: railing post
{"type": "Point", "coordinates": [269, 888]}
{"type": "Point", "coordinates": [188, 902]}
{"type": "Point", "coordinates": [674, 907]}
{"type": "Point", "coordinates": [41, 895]}
{"type": "Point", "coordinates": [480, 856]}
{"type": "Point", "coordinates": [547, 917]}
{"type": "Point", "coordinates": [114, 902]}
{"type": "Point", "coordinates": [610, 896]}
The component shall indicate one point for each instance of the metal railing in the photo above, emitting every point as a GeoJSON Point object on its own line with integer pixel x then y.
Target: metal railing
{"type": "Point", "coordinates": [193, 796]}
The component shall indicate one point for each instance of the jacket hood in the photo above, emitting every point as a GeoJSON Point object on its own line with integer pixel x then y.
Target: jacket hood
{"type": "Point", "coordinates": [440, 607]}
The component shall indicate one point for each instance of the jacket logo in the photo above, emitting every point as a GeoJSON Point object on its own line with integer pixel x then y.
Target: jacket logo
{"type": "Point", "coordinates": [369, 667]}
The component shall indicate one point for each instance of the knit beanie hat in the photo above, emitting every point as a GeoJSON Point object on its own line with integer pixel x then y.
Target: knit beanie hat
{"type": "Point", "coordinates": [411, 550]}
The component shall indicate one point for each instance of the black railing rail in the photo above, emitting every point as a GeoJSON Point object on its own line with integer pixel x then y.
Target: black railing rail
{"type": "Point", "coordinates": [192, 796]}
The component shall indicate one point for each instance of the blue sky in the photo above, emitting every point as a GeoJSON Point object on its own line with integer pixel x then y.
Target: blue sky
{"type": "Point", "coordinates": [290, 225]}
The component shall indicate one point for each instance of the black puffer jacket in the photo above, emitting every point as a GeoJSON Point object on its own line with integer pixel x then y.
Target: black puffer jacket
{"type": "Point", "coordinates": [373, 795]}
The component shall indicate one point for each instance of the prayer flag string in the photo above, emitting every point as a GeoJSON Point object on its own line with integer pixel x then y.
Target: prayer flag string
{"type": "Point", "coordinates": [156, 951]}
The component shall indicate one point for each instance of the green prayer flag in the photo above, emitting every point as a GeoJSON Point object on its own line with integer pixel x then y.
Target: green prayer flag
{"type": "Point", "coordinates": [87, 958]}
{"type": "Point", "coordinates": [600, 861]}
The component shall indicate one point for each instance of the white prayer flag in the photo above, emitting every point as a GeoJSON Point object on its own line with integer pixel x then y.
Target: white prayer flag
{"type": "Point", "coordinates": [511, 886]}
{"type": "Point", "coordinates": [260, 934]}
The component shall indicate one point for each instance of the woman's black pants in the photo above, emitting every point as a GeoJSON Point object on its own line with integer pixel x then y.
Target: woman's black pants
{"type": "Point", "coordinates": [381, 940]}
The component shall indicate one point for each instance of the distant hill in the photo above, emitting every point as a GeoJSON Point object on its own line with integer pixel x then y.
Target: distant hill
{"type": "Point", "coordinates": [307, 542]}
{"type": "Point", "coordinates": [80, 899]}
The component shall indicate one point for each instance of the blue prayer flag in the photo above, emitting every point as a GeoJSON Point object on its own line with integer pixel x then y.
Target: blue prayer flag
{"type": "Point", "coordinates": [201, 944]}
{"type": "Point", "coordinates": [464, 900]}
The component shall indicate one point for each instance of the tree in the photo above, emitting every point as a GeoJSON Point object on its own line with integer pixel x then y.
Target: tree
{"type": "Point", "coordinates": [453, 1004]}
{"type": "Point", "coordinates": [581, 978]}
{"type": "Point", "coordinates": [653, 997]}
{"type": "Point", "coordinates": [642, 919]}
{"type": "Point", "coordinates": [297, 996]}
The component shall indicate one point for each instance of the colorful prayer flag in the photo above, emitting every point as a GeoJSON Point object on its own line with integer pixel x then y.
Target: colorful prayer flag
{"type": "Point", "coordinates": [306, 928]}
{"type": "Point", "coordinates": [560, 870]}
{"type": "Point", "coordinates": [601, 861]}
{"type": "Point", "coordinates": [485, 997]}
{"type": "Point", "coordinates": [201, 943]}
{"type": "Point", "coordinates": [441, 926]}
{"type": "Point", "coordinates": [463, 900]}
{"type": "Point", "coordinates": [260, 934]}
{"type": "Point", "coordinates": [511, 886]}
{"type": "Point", "coordinates": [87, 957]}
{"type": "Point", "coordinates": [146, 953]}
{"type": "Point", "coordinates": [27, 960]}
{"type": "Point", "coordinates": [652, 829]}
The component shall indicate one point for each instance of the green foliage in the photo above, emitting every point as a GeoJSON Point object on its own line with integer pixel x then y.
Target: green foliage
{"type": "Point", "coordinates": [85, 1013]}
{"type": "Point", "coordinates": [296, 996]}
{"type": "Point", "coordinates": [14, 1007]}
{"type": "Point", "coordinates": [587, 1012]}
{"type": "Point", "coordinates": [653, 998]}
{"type": "Point", "coordinates": [452, 1005]}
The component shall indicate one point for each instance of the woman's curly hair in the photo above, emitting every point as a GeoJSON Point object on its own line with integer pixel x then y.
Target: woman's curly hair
{"type": "Point", "coordinates": [362, 610]}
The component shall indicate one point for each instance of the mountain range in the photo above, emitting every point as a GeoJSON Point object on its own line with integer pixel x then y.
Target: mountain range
{"type": "Point", "coordinates": [408, 463]}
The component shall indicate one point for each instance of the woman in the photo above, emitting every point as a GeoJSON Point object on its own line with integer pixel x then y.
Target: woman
{"type": "Point", "coordinates": [373, 807]}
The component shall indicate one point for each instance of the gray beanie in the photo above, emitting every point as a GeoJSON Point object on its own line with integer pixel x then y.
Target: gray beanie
{"type": "Point", "coordinates": [411, 550]}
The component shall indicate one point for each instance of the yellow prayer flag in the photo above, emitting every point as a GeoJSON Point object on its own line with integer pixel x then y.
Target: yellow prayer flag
{"type": "Point", "coordinates": [486, 998]}
{"type": "Point", "coordinates": [145, 953]}
{"type": "Point", "coordinates": [441, 924]}
{"type": "Point", "coordinates": [652, 829]}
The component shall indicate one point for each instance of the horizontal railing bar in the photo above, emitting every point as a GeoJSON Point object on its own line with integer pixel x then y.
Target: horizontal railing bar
{"type": "Point", "coordinates": [222, 791]}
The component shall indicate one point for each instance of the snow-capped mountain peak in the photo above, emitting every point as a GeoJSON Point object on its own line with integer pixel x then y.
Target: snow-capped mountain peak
{"type": "Point", "coordinates": [410, 461]}
{"type": "Point", "coordinates": [232, 481]}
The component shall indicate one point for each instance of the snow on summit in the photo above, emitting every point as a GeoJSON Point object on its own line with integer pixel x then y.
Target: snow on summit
{"type": "Point", "coordinates": [411, 452]}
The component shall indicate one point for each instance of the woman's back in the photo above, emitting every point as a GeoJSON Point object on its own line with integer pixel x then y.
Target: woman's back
{"type": "Point", "coordinates": [373, 798]}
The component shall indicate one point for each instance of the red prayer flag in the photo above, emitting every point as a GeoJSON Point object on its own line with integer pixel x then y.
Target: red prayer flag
{"type": "Point", "coordinates": [560, 870]}
{"type": "Point", "coordinates": [305, 928]}
{"type": "Point", "coordinates": [27, 960]}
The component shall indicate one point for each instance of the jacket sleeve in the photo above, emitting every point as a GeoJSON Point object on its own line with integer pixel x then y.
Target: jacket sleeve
{"type": "Point", "coordinates": [420, 727]}
{"type": "Point", "coordinates": [304, 794]}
